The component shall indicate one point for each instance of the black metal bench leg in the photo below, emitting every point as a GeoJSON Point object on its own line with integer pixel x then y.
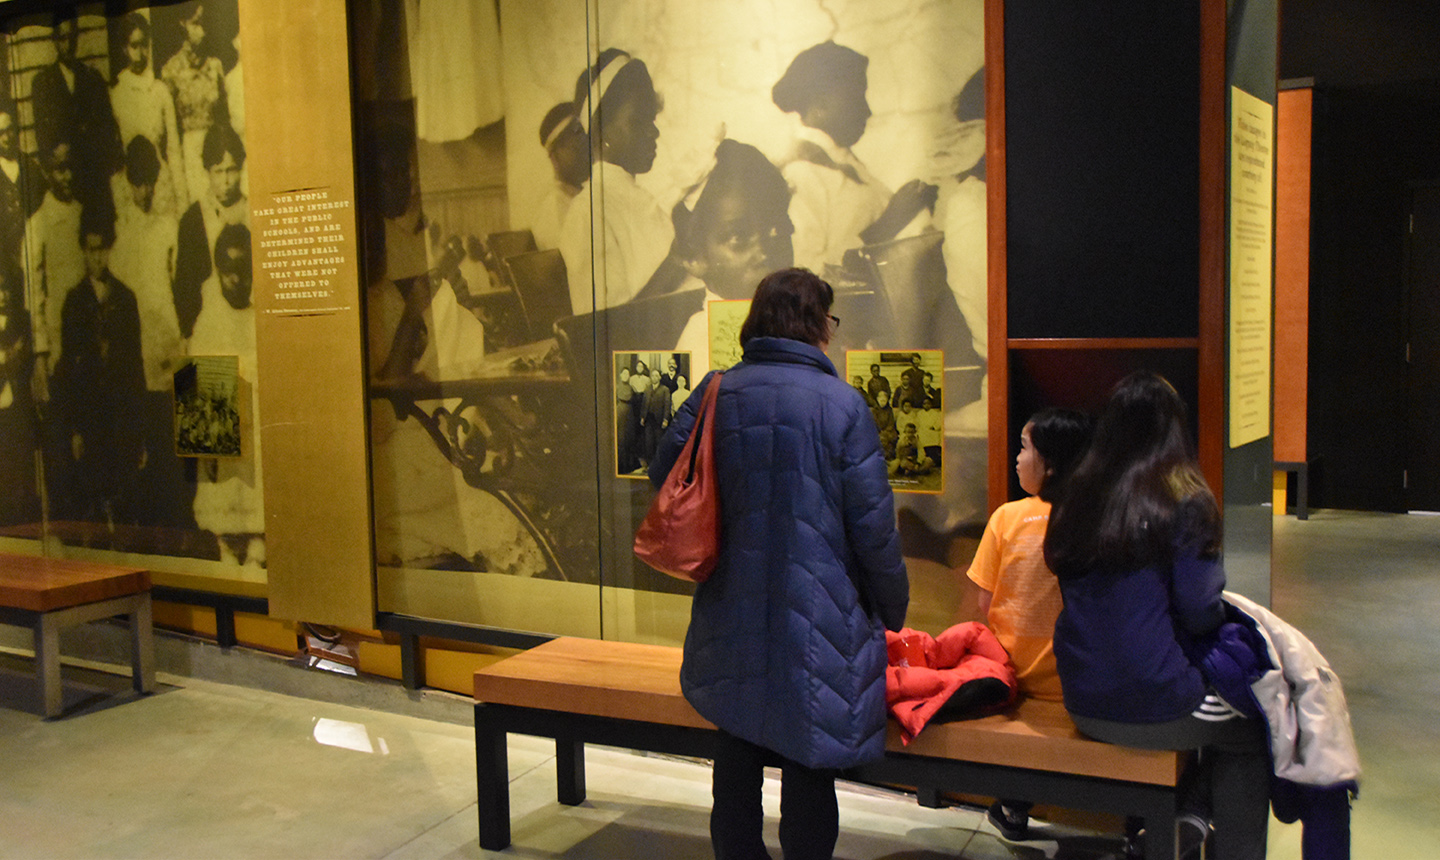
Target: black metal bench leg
{"type": "Point", "coordinates": [570, 771]}
{"type": "Point", "coordinates": [928, 796]}
{"type": "Point", "coordinates": [1159, 838]}
{"type": "Point", "coordinates": [492, 782]}
{"type": "Point", "coordinates": [225, 627]}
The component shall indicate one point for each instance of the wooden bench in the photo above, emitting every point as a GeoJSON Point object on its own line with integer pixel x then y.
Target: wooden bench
{"type": "Point", "coordinates": [620, 694]}
{"type": "Point", "coordinates": [50, 594]}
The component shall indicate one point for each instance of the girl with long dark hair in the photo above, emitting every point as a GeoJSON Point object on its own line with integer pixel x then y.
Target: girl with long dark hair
{"type": "Point", "coordinates": [1135, 542]}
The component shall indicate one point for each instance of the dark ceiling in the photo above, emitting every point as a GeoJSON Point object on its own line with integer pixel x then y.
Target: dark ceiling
{"type": "Point", "coordinates": [1360, 43]}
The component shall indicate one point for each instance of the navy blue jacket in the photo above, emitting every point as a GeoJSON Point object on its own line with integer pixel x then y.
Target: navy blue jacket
{"type": "Point", "coordinates": [1122, 636]}
{"type": "Point", "coordinates": [786, 646]}
{"type": "Point", "coordinates": [1234, 657]}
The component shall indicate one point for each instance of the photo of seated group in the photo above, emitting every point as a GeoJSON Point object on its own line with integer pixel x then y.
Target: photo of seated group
{"type": "Point", "coordinates": [903, 391]}
{"type": "Point", "coordinates": [649, 388]}
{"type": "Point", "coordinates": [207, 407]}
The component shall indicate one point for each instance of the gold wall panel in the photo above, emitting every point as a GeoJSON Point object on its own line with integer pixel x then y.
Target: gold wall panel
{"type": "Point", "coordinates": [308, 325]}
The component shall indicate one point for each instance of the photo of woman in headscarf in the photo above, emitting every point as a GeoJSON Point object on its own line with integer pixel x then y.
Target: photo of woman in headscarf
{"type": "Point", "coordinates": [568, 148]}
{"type": "Point", "coordinates": [617, 108]}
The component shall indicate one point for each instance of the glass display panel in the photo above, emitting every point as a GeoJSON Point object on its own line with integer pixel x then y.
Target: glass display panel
{"type": "Point", "coordinates": [559, 193]}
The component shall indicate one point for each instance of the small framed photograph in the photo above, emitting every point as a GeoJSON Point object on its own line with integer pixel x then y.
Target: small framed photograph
{"type": "Point", "coordinates": [207, 407]}
{"type": "Point", "coordinates": [649, 387]}
{"type": "Point", "coordinates": [902, 388]}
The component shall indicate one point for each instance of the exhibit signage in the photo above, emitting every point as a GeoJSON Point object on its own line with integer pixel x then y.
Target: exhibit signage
{"type": "Point", "coordinates": [1252, 217]}
{"type": "Point", "coordinates": [301, 250]}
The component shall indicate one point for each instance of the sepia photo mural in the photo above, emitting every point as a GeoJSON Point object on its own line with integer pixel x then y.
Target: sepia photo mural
{"type": "Point", "coordinates": [125, 264]}
{"type": "Point", "coordinates": [558, 193]}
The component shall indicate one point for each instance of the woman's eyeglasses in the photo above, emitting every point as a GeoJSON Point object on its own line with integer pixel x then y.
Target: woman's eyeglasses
{"type": "Point", "coordinates": [834, 319]}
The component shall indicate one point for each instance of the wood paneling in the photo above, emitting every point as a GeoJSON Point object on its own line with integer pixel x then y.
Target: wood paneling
{"type": "Point", "coordinates": [1212, 420]}
{"type": "Point", "coordinates": [41, 584]}
{"type": "Point", "coordinates": [997, 486]}
{"type": "Point", "coordinates": [1292, 272]}
{"type": "Point", "coordinates": [622, 680]}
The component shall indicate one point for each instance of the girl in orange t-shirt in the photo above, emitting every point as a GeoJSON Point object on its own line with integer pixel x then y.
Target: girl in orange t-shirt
{"type": "Point", "coordinates": [1019, 596]}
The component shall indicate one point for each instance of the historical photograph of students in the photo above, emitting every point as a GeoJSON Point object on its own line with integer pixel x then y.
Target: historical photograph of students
{"type": "Point", "coordinates": [579, 191]}
{"type": "Point", "coordinates": [125, 172]}
{"type": "Point", "coordinates": [207, 410]}
{"type": "Point", "coordinates": [649, 386]}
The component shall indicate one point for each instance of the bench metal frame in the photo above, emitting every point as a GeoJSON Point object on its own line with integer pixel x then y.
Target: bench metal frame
{"type": "Point", "coordinates": [1155, 805]}
{"type": "Point", "coordinates": [47, 626]}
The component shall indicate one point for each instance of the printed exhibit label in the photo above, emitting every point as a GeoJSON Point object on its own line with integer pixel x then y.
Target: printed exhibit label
{"type": "Point", "coordinates": [302, 248]}
{"type": "Point", "coordinates": [1252, 222]}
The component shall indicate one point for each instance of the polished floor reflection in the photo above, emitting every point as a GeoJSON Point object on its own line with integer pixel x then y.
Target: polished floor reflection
{"type": "Point", "coordinates": [243, 755]}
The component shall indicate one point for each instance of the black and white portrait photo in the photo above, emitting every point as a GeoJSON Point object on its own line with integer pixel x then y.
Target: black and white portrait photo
{"type": "Point", "coordinates": [649, 388]}
{"type": "Point", "coordinates": [903, 394]}
{"type": "Point", "coordinates": [207, 407]}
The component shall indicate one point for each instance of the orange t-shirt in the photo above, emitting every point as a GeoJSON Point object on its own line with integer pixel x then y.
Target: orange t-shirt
{"type": "Point", "coordinates": [1010, 564]}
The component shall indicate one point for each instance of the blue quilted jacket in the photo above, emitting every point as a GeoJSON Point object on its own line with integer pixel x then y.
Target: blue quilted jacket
{"type": "Point", "coordinates": [786, 646]}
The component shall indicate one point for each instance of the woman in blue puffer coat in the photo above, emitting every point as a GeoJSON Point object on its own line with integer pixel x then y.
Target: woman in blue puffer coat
{"type": "Point", "coordinates": [786, 647]}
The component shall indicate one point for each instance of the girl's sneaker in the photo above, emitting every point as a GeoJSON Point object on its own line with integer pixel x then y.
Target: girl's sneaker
{"type": "Point", "coordinates": [1013, 824]}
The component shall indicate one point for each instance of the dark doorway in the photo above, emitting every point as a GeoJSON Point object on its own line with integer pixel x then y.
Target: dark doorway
{"type": "Point", "coordinates": [1422, 276]}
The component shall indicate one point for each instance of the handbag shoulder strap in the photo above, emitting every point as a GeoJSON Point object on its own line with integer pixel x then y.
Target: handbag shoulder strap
{"type": "Point", "coordinates": [712, 391]}
{"type": "Point", "coordinates": [704, 421]}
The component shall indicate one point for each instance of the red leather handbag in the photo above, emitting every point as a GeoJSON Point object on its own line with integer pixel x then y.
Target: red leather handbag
{"type": "Point", "coordinates": [680, 534]}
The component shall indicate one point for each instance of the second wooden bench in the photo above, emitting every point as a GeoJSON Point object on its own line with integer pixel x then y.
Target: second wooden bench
{"type": "Point", "coordinates": [50, 594]}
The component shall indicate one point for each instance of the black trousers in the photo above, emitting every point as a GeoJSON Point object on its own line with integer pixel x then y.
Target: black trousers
{"type": "Point", "coordinates": [809, 815]}
{"type": "Point", "coordinates": [1231, 783]}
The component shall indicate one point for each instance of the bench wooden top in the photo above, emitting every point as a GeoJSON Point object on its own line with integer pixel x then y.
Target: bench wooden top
{"type": "Point", "coordinates": [42, 584]}
{"type": "Point", "coordinates": [624, 680]}
{"type": "Point", "coordinates": [1039, 735]}
{"type": "Point", "coordinates": [601, 678]}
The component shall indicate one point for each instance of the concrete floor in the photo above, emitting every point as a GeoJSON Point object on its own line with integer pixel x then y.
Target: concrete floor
{"type": "Point", "coordinates": [245, 755]}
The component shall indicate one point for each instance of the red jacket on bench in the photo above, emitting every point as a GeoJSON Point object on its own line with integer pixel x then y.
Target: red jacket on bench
{"type": "Point", "coordinates": [966, 664]}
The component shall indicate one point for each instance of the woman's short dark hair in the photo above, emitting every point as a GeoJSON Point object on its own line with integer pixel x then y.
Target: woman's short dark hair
{"type": "Point", "coordinates": [562, 112]}
{"type": "Point", "coordinates": [142, 163]}
{"type": "Point", "coordinates": [132, 22]}
{"type": "Point", "coordinates": [815, 70]}
{"type": "Point", "coordinates": [98, 219]}
{"type": "Point", "coordinates": [220, 138]}
{"type": "Point", "coordinates": [232, 237]}
{"type": "Point", "coordinates": [791, 303]}
{"type": "Point", "coordinates": [740, 169]}
{"type": "Point", "coordinates": [969, 103]}
{"type": "Point", "coordinates": [1059, 436]}
{"type": "Point", "coordinates": [631, 81]}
